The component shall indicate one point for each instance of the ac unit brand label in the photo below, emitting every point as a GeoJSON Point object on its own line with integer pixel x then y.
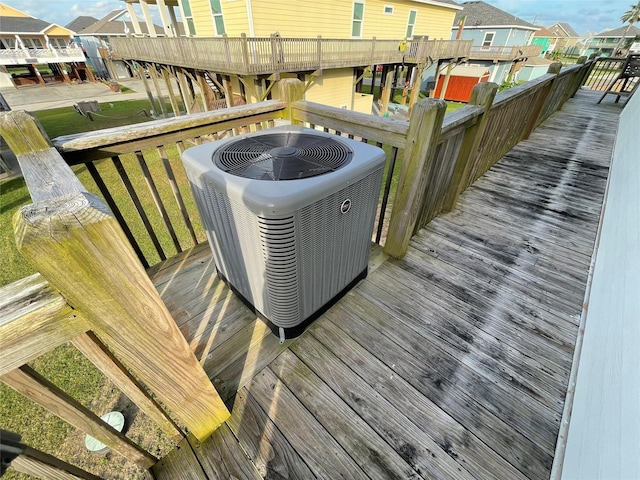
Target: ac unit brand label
{"type": "Point", "coordinates": [346, 206]}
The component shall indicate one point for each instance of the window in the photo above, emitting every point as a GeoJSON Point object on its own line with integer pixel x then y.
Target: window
{"type": "Point", "coordinates": [216, 10]}
{"type": "Point", "coordinates": [7, 43]}
{"type": "Point", "coordinates": [488, 39]}
{"type": "Point", "coordinates": [358, 15]}
{"type": "Point", "coordinates": [411, 23]}
{"type": "Point", "coordinates": [188, 16]}
{"type": "Point", "coordinates": [388, 10]}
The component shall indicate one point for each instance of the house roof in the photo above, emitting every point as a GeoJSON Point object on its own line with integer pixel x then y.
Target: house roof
{"type": "Point", "coordinates": [81, 23]}
{"type": "Point", "coordinates": [619, 32]}
{"type": "Point", "coordinates": [537, 61]}
{"type": "Point", "coordinates": [23, 25]}
{"type": "Point", "coordinates": [482, 15]}
{"type": "Point", "coordinates": [110, 24]}
{"type": "Point", "coordinates": [563, 30]}
{"type": "Point", "coordinates": [544, 32]}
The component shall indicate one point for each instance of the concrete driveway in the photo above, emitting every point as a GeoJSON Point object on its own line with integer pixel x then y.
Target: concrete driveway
{"type": "Point", "coordinates": [37, 97]}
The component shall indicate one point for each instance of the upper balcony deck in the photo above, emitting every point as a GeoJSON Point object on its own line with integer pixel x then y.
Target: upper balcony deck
{"type": "Point", "coordinates": [267, 55]}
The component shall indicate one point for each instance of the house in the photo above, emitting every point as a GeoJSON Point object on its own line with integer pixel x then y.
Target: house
{"type": "Point", "coordinates": [501, 41]}
{"type": "Point", "coordinates": [533, 68]}
{"type": "Point", "coordinates": [94, 40]}
{"type": "Point", "coordinates": [605, 43]}
{"type": "Point", "coordinates": [327, 45]}
{"type": "Point", "coordinates": [33, 51]}
{"type": "Point", "coordinates": [566, 38]}
{"type": "Point", "coordinates": [545, 38]}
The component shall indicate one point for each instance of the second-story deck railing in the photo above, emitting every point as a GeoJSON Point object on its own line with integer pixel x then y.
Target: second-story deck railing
{"type": "Point", "coordinates": [265, 55]}
{"type": "Point", "coordinates": [504, 53]}
{"type": "Point", "coordinates": [92, 290]}
{"type": "Point", "coordinates": [16, 56]}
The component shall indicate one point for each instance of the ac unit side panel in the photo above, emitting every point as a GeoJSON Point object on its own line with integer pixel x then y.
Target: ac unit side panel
{"type": "Point", "coordinates": [334, 246]}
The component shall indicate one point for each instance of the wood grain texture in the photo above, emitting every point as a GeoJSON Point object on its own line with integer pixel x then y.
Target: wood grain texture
{"type": "Point", "coordinates": [98, 353]}
{"type": "Point", "coordinates": [99, 274]}
{"type": "Point", "coordinates": [422, 138]}
{"type": "Point", "coordinates": [390, 132]}
{"type": "Point", "coordinates": [38, 389]}
{"type": "Point", "coordinates": [23, 133]}
{"type": "Point", "coordinates": [35, 319]}
{"type": "Point", "coordinates": [180, 464]}
{"type": "Point", "coordinates": [42, 465]}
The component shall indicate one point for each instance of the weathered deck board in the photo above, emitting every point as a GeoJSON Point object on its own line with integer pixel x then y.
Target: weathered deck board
{"type": "Point", "coordinates": [450, 363]}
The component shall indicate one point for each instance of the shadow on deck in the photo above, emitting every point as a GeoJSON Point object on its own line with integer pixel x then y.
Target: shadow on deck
{"type": "Point", "coordinates": [450, 363]}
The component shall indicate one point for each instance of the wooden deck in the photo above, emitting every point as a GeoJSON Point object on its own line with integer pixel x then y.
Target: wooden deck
{"type": "Point", "coordinates": [450, 363]}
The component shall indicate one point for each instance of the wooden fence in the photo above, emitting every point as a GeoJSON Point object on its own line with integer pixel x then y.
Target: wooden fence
{"type": "Point", "coordinates": [265, 55]}
{"type": "Point", "coordinates": [92, 288]}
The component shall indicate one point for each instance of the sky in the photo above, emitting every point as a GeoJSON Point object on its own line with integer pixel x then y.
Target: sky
{"type": "Point", "coordinates": [583, 15]}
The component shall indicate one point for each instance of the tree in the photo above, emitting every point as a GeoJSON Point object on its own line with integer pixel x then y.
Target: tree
{"type": "Point", "coordinates": [631, 16]}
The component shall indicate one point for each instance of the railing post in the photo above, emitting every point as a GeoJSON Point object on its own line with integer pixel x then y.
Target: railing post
{"type": "Point", "coordinates": [289, 90]}
{"type": "Point", "coordinates": [319, 51]}
{"type": "Point", "coordinates": [72, 238]}
{"type": "Point", "coordinates": [554, 69]}
{"type": "Point", "coordinates": [482, 94]}
{"type": "Point", "coordinates": [245, 51]}
{"type": "Point", "coordinates": [425, 124]}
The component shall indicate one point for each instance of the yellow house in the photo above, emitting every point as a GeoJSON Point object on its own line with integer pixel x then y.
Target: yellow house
{"type": "Point", "coordinates": [288, 32]}
{"type": "Point", "coordinates": [329, 18]}
{"type": "Point", "coordinates": [34, 51]}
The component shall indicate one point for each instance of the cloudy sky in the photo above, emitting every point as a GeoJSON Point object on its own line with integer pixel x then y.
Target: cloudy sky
{"type": "Point", "coordinates": [583, 15]}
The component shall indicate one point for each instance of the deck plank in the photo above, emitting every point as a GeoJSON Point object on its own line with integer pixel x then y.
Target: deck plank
{"type": "Point", "coordinates": [450, 363]}
{"type": "Point", "coordinates": [272, 454]}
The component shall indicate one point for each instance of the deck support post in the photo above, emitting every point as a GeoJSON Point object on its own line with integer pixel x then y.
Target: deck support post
{"type": "Point", "coordinates": [482, 94]}
{"type": "Point", "coordinates": [172, 96]}
{"type": "Point", "coordinates": [538, 108]}
{"type": "Point", "coordinates": [386, 92]}
{"type": "Point", "coordinates": [72, 238]}
{"type": "Point", "coordinates": [425, 124]}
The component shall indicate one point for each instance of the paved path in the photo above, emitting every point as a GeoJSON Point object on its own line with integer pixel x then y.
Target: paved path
{"type": "Point", "coordinates": [33, 98]}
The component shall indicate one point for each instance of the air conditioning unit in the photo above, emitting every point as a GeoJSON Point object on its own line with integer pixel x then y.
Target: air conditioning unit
{"type": "Point", "coordinates": [289, 215]}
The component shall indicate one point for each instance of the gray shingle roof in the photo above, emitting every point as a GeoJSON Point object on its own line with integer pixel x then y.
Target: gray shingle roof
{"type": "Point", "coordinates": [618, 32]}
{"type": "Point", "coordinates": [563, 30]}
{"type": "Point", "coordinates": [482, 14]}
{"type": "Point", "coordinates": [107, 26]}
{"type": "Point", "coordinates": [81, 23]}
{"type": "Point", "coordinates": [22, 25]}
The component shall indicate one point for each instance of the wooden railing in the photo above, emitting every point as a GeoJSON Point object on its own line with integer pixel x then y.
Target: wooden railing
{"type": "Point", "coordinates": [603, 72]}
{"type": "Point", "coordinates": [265, 55]}
{"type": "Point", "coordinates": [504, 53]}
{"type": "Point", "coordinates": [93, 291]}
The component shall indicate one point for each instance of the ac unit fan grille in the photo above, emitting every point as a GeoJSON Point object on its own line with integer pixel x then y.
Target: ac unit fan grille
{"type": "Point", "coordinates": [282, 156]}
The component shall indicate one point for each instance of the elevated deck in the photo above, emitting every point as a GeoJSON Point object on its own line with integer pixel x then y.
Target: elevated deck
{"type": "Point", "coordinates": [450, 363]}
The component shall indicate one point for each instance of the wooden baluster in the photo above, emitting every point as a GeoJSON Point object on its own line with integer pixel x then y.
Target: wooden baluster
{"type": "Point", "coordinates": [482, 94]}
{"type": "Point", "coordinates": [554, 68]}
{"type": "Point", "coordinates": [38, 389]}
{"type": "Point", "coordinates": [116, 212]}
{"type": "Point", "coordinates": [162, 151]}
{"type": "Point", "coordinates": [98, 353]}
{"type": "Point", "coordinates": [425, 125]}
{"type": "Point", "coordinates": [391, 165]}
{"type": "Point", "coordinates": [39, 464]}
{"type": "Point", "coordinates": [151, 184]}
{"type": "Point", "coordinates": [75, 242]}
{"type": "Point", "coordinates": [138, 204]}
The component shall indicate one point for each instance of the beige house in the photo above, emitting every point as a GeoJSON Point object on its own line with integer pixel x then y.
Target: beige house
{"type": "Point", "coordinates": [33, 51]}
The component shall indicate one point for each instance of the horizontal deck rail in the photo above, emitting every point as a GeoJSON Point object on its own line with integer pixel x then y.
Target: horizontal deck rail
{"type": "Point", "coordinates": [503, 53]}
{"type": "Point", "coordinates": [98, 295]}
{"type": "Point", "coordinates": [266, 55]}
